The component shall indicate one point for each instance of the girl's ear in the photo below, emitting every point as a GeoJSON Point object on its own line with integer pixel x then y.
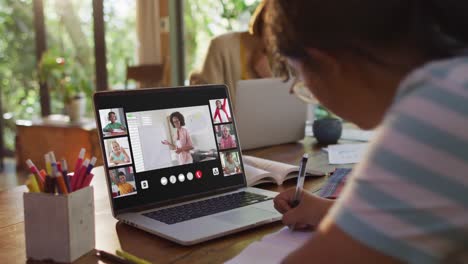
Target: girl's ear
{"type": "Point", "coordinates": [324, 63]}
{"type": "Point", "coordinates": [318, 70]}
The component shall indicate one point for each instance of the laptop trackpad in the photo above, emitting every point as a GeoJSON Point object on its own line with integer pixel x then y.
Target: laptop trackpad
{"type": "Point", "coordinates": [245, 216]}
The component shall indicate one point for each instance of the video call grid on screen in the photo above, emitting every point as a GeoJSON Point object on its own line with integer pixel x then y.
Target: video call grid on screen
{"type": "Point", "coordinates": [154, 182]}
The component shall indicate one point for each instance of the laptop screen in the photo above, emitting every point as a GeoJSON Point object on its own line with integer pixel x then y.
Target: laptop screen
{"type": "Point", "coordinates": [168, 144]}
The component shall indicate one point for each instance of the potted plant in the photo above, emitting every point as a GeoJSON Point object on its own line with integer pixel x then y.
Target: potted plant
{"type": "Point", "coordinates": [327, 127]}
{"type": "Point", "coordinates": [67, 82]}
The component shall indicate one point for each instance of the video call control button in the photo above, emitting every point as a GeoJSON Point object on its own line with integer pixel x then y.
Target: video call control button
{"type": "Point", "coordinates": [164, 181]}
{"type": "Point", "coordinates": [181, 177]}
{"type": "Point", "coordinates": [189, 176]}
{"type": "Point", "coordinates": [144, 185]}
{"type": "Point", "coordinates": [173, 179]}
{"type": "Point", "coordinates": [198, 174]}
{"type": "Point", "coordinates": [215, 171]}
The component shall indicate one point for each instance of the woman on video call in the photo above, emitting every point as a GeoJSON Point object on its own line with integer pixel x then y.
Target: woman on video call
{"type": "Point", "coordinates": [183, 141]}
{"type": "Point", "coordinates": [401, 65]}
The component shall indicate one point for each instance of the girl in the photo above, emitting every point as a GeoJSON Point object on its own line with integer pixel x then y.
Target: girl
{"type": "Point", "coordinates": [227, 141]}
{"type": "Point", "coordinates": [118, 155]}
{"type": "Point", "coordinates": [399, 64]}
{"type": "Point", "coordinates": [220, 114]}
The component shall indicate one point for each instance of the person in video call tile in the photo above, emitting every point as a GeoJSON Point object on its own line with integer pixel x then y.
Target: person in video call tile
{"type": "Point", "coordinates": [220, 113]}
{"type": "Point", "coordinates": [227, 140]}
{"type": "Point", "coordinates": [230, 165]}
{"type": "Point", "coordinates": [122, 184]}
{"type": "Point", "coordinates": [118, 155]}
{"type": "Point", "coordinates": [183, 140]}
{"type": "Point", "coordinates": [113, 123]}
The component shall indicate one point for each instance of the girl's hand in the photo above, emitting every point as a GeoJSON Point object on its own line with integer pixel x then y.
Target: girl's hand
{"type": "Point", "coordinates": [309, 212]}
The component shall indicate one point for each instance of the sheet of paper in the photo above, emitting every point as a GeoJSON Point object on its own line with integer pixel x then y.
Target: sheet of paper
{"type": "Point", "coordinates": [346, 153]}
{"type": "Point", "coordinates": [272, 248]}
{"type": "Point", "coordinates": [357, 134]}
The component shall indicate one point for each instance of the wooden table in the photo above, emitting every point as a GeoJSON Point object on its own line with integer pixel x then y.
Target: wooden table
{"type": "Point", "coordinates": [112, 235]}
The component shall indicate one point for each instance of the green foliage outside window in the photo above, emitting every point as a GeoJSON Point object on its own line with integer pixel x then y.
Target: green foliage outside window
{"type": "Point", "coordinates": [19, 90]}
{"type": "Point", "coordinates": [66, 79]}
{"type": "Point", "coordinates": [69, 35]}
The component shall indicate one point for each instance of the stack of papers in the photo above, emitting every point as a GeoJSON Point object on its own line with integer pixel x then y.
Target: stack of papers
{"type": "Point", "coordinates": [346, 153]}
{"type": "Point", "coordinates": [272, 248]}
{"type": "Point", "coordinates": [357, 134]}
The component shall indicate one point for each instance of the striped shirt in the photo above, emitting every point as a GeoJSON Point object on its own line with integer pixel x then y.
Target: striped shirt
{"type": "Point", "coordinates": [409, 198]}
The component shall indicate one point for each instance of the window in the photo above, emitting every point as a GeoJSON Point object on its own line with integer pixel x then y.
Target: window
{"type": "Point", "coordinates": [18, 87]}
{"type": "Point", "coordinates": [205, 19]}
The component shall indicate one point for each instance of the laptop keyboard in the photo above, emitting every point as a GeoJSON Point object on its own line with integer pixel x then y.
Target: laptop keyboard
{"type": "Point", "coordinates": [211, 206]}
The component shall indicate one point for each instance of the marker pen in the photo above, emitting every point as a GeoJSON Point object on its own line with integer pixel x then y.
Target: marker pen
{"type": "Point", "coordinates": [53, 163]}
{"type": "Point", "coordinates": [59, 166]}
{"type": "Point", "coordinates": [78, 177]}
{"type": "Point", "coordinates": [79, 161]}
{"type": "Point", "coordinates": [47, 164]}
{"type": "Point", "coordinates": [91, 165]}
{"type": "Point", "coordinates": [64, 170]}
{"type": "Point", "coordinates": [87, 180]}
{"type": "Point", "coordinates": [76, 172]}
{"type": "Point", "coordinates": [32, 184]}
{"type": "Point", "coordinates": [35, 171]}
{"type": "Point", "coordinates": [88, 171]}
{"type": "Point", "coordinates": [54, 174]}
{"type": "Point", "coordinates": [61, 183]}
{"type": "Point", "coordinates": [49, 186]}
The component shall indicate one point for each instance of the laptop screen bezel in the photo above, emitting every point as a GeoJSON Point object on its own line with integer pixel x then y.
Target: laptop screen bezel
{"type": "Point", "coordinates": [106, 94]}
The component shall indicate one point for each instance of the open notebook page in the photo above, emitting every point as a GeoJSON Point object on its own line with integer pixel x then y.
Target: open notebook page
{"type": "Point", "coordinates": [270, 165]}
{"type": "Point", "coordinates": [272, 248]}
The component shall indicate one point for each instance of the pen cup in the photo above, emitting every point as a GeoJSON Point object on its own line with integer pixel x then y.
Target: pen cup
{"type": "Point", "coordinates": [59, 227]}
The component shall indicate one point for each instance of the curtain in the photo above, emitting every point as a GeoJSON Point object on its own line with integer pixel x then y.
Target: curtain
{"type": "Point", "coordinates": [149, 32]}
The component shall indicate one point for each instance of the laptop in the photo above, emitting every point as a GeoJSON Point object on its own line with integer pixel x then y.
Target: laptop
{"type": "Point", "coordinates": [169, 169]}
{"type": "Point", "coordinates": [267, 114]}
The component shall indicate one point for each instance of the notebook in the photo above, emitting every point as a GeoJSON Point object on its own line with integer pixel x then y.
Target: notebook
{"type": "Point", "coordinates": [272, 248]}
{"type": "Point", "coordinates": [268, 114]}
{"type": "Point", "coordinates": [176, 169]}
